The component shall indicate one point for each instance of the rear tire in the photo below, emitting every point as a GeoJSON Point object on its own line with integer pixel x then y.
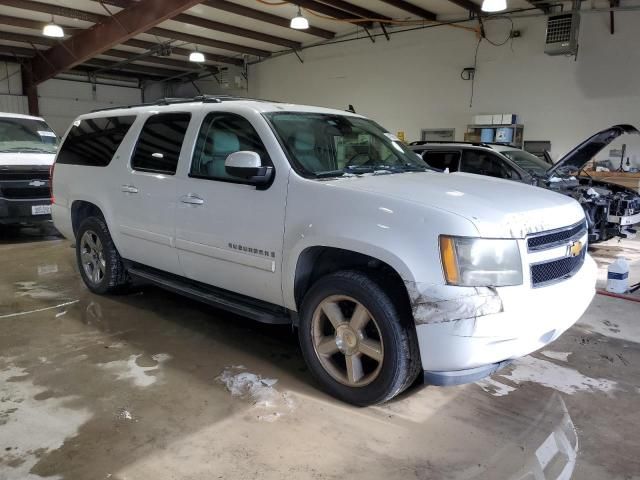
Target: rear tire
{"type": "Point", "coordinates": [355, 341]}
{"type": "Point", "coordinates": [98, 259]}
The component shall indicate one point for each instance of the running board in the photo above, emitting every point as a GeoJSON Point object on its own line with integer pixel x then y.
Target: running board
{"type": "Point", "coordinates": [240, 305]}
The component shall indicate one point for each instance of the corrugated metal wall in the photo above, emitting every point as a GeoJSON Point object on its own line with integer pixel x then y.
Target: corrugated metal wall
{"type": "Point", "coordinates": [14, 104]}
{"type": "Point", "coordinates": [11, 98]}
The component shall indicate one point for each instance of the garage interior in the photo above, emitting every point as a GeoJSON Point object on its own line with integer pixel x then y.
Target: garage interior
{"type": "Point", "coordinates": [141, 385]}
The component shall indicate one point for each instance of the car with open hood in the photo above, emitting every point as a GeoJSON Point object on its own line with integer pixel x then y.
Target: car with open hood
{"type": "Point", "coordinates": [323, 220]}
{"type": "Point", "coordinates": [611, 210]}
{"type": "Point", "coordinates": [27, 149]}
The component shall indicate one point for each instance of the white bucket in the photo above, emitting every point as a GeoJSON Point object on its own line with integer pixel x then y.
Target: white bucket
{"type": "Point", "coordinates": [618, 276]}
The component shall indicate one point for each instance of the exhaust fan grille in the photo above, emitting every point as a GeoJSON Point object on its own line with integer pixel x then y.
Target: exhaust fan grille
{"type": "Point", "coordinates": [559, 29]}
{"type": "Point", "coordinates": [562, 34]}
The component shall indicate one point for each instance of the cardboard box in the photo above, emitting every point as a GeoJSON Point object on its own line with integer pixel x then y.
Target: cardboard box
{"type": "Point", "coordinates": [497, 119]}
{"type": "Point", "coordinates": [508, 118]}
{"type": "Point", "coordinates": [483, 119]}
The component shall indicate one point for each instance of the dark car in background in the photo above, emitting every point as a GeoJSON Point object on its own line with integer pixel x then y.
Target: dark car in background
{"type": "Point", "coordinates": [611, 210]}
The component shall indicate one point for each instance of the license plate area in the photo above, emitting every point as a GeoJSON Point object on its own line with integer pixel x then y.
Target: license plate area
{"type": "Point", "coordinates": [41, 210]}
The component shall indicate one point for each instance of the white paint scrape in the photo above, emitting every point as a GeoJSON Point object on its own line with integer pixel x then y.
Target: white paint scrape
{"type": "Point", "coordinates": [562, 356]}
{"type": "Point", "coordinates": [30, 428]}
{"type": "Point", "coordinates": [259, 391]}
{"type": "Point", "coordinates": [130, 369]}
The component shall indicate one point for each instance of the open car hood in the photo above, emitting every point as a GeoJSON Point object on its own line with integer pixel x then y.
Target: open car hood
{"type": "Point", "coordinates": [578, 157]}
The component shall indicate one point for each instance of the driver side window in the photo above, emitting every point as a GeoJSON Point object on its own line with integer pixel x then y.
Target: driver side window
{"type": "Point", "coordinates": [222, 134]}
{"type": "Point", "coordinates": [485, 163]}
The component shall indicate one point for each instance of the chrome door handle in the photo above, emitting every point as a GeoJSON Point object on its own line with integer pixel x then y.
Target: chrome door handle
{"type": "Point", "coordinates": [129, 189]}
{"type": "Point", "coordinates": [192, 199]}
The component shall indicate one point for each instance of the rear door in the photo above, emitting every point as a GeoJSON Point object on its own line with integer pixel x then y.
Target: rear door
{"type": "Point", "coordinates": [146, 193]}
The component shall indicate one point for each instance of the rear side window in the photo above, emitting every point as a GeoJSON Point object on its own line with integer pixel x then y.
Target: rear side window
{"type": "Point", "coordinates": [442, 160]}
{"type": "Point", "coordinates": [93, 142]}
{"type": "Point", "coordinates": [160, 142]}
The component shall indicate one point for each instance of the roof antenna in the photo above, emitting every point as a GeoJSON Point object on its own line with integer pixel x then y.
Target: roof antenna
{"type": "Point", "coordinates": [351, 109]}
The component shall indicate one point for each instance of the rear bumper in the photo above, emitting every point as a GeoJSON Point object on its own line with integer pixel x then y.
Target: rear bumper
{"type": "Point", "coordinates": [61, 216]}
{"type": "Point", "coordinates": [528, 320]}
{"type": "Point", "coordinates": [16, 211]}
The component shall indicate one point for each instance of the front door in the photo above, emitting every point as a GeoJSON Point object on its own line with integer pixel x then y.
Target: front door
{"type": "Point", "coordinates": [146, 200]}
{"type": "Point", "coordinates": [228, 233]}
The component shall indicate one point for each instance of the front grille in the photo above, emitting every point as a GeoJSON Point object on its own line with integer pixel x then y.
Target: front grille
{"type": "Point", "coordinates": [556, 270]}
{"type": "Point", "coordinates": [24, 192]}
{"type": "Point", "coordinates": [554, 238]}
{"type": "Point", "coordinates": [24, 173]}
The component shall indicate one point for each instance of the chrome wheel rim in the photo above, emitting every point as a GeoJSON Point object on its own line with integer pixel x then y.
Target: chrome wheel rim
{"type": "Point", "coordinates": [347, 341]}
{"type": "Point", "coordinates": [92, 257]}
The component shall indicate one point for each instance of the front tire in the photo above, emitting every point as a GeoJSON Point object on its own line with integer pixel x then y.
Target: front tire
{"type": "Point", "coordinates": [355, 341]}
{"type": "Point", "coordinates": [98, 259]}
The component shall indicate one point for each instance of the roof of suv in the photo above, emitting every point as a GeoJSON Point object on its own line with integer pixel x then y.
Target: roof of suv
{"type": "Point", "coordinates": [19, 115]}
{"type": "Point", "coordinates": [498, 147]}
{"type": "Point", "coordinates": [258, 105]}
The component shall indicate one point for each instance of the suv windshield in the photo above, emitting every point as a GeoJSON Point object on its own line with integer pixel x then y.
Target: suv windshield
{"type": "Point", "coordinates": [26, 135]}
{"type": "Point", "coordinates": [527, 161]}
{"type": "Point", "coordinates": [328, 145]}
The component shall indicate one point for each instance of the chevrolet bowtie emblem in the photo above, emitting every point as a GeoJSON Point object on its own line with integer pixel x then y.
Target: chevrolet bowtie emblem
{"type": "Point", "coordinates": [575, 248]}
{"type": "Point", "coordinates": [36, 183]}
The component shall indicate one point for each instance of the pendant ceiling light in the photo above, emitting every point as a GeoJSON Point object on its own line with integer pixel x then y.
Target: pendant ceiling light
{"type": "Point", "coordinates": [494, 5]}
{"type": "Point", "coordinates": [299, 22]}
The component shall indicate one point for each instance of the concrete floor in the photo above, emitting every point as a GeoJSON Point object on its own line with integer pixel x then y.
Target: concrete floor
{"type": "Point", "coordinates": [154, 386]}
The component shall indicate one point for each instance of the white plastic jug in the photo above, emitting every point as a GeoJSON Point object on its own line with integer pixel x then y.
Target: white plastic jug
{"type": "Point", "coordinates": [618, 276]}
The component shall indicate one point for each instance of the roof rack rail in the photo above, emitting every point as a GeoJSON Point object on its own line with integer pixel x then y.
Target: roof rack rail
{"type": "Point", "coordinates": [443, 142]}
{"type": "Point", "coordinates": [173, 101]}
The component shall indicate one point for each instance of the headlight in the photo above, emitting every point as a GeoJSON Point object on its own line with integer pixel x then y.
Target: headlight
{"type": "Point", "coordinates": [479, 262]}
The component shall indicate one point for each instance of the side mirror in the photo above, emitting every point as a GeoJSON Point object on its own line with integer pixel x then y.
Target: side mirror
{"type": "Point", "coordinates": [248, 166]}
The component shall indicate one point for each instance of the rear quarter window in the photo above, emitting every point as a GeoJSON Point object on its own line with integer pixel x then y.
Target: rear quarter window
{"type": "Point", "coordinates": [93, 142]}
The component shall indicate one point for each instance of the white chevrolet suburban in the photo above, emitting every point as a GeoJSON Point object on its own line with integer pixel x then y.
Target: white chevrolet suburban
{"type": "Point", "coordinates": [27, 150]}
{"type": "Point", "coordinates": [322, 219]}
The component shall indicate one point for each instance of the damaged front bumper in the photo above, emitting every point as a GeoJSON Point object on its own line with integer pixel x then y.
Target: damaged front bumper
{"type": "Point", "coordinates": [467, 333]}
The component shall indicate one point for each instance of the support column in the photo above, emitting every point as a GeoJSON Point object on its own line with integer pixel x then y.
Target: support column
{"type": "Point", "coordinates": [30, 90]}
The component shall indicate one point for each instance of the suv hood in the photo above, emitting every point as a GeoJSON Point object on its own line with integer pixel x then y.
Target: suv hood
{"type": "Point", "coordinates": [25, 159]}
{"type": "Point", "coordinates": [498, 208]}
{"type": "Point", "coordinates": [580, 155]}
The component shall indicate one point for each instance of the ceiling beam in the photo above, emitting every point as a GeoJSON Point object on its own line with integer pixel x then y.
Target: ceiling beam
{"type": "Point", "coordinates": [37, 25]}
{"type": "Point", "coordinates": [265, 17]}
{"type": "Point", "coordinates": [324, 9]}
{"type": "Point", "coordinates": [217, 26]}
{"type": "Point", "coordinates": [106, 65]}
{"type": "Point", "coordinates": [541, 4]}
{"type": "Point", "coordinates": [411, 8]}
{"type": "Point", "coordinates": [150, 58]}
{"type": "Point", "coordinates": [102, 36]}
{"type": "Point", "coordinates": [161, 32]}
{"type": "Point", "coordinates": [468, 5]}
{"type": "Point", "coordinates": [354, 9]}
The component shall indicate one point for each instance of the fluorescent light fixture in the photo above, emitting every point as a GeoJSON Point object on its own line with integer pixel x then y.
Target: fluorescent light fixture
{"type": "Point", "coordinates": [53, 30]}
{"type": "Point", "coordinates": [299, 22]}
{"type": "Point", "coordinates": [494, 5]}
{"type": "Point", "coordinates": [196, 57]}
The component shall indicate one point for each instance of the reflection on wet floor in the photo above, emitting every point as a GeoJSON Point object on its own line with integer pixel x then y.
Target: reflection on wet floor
{"type": "Point", "coordinates": [152, 385]}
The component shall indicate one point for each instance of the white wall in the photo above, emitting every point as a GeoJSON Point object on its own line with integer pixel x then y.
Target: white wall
{"type": "Point", "coordinates": [61, 101]}
{"type": "Point", "coordinates": [11, 98]}
{"type": "Point", "coordinates": [413, 81]}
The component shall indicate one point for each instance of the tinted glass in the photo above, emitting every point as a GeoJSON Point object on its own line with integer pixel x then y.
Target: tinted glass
{"type": "Point", "coordinates": [527, 161]}
{"type": "Point", "coordinates": [93, 142]}
{"type": "Point", "coordinates": [159, 144]}
{"type": "Point", "coordinates": [486, 163]}
{"type": "Point", "coordinates": [442, 160]}
{"type": "Point", "coordinates": [326, 145]}
{"type": "Point", "coordinates": [220, 135]}
{"type": "Point", "coordinates": [26, 135]}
